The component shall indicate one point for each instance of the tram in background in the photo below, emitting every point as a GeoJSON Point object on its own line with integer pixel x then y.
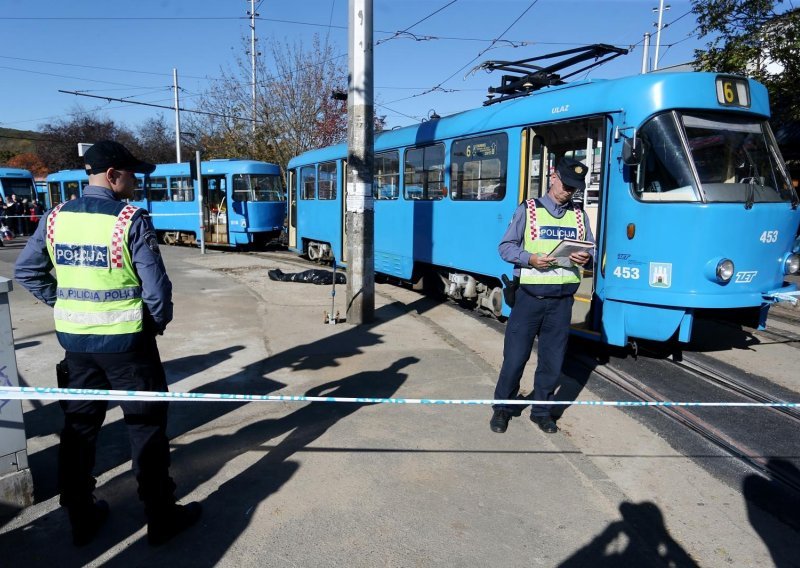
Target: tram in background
{"type": "Point", "coordinates": [18, 182]}
{"type": "Point", "coordinates": [689, 199]}
{"type": "Point", "coordinates": [243, 201]}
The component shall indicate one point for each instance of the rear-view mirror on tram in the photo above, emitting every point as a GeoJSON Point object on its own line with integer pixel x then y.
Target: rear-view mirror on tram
{"type": "Point", "coordinates": [632, 151]}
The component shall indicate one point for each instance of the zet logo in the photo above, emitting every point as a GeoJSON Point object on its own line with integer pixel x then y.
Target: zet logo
{"type": "Point", "coordinates": [745, 277]}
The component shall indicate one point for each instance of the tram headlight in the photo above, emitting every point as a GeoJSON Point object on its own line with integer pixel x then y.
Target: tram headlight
{"type": "Point", "coordinates": [724, 270]}
{"type": "Point", "coordinates": [791, 264]}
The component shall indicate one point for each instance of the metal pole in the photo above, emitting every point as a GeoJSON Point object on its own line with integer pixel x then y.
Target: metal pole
{"type": "Point", "coordinates": [177, 117]}
{"type": "Point", "coordinates": [200, 203]}
{"type": "Point", "coordinates": [646, 53]}
{"type": "Point", "coordinates": [360, 216]}
{"type": "Point", "coordinates": [253, 58]}
{"type": "Point", "coordinates": [658, 32]}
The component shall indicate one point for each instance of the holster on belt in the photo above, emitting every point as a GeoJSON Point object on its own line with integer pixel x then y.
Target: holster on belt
{"type": "Point", "coordinates": [510, 289]}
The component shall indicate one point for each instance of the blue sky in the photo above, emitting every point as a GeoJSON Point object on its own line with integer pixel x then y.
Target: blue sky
{"type": "Point", "coordinates": [128, 49]}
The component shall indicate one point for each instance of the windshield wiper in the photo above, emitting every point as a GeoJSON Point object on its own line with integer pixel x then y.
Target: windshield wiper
{"type": "Point", "coordinates": [751, 193]}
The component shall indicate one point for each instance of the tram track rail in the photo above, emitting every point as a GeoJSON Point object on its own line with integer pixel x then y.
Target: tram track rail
{"type": "Point", "coordinates": [745, 454]}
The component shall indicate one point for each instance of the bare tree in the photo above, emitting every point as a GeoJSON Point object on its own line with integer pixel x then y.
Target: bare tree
{"type": "Point", "coordinates": [156, 138]}
{"type": "Point", "coordinates": [294, 108]}
{"type": "Point", "coordinates": [58, 148]}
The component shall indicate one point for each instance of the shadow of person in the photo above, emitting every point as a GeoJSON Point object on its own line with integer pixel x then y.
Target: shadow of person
{"type": "Point", "coordinates": [773, 510]}
{"type": "Point", "coordinates": [113, 448]}
{"type": "Point", "coordinates": [228, 510]}
{"type": "Point", "coordinates": [639, 539]}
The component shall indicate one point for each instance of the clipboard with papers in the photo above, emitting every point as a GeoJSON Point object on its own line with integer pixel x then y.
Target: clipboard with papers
{"type": "Point", "coordinates": [568, 246]}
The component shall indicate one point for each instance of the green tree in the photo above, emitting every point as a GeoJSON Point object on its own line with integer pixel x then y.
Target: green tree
{"type": "Point", "coordinates": [754, 38]}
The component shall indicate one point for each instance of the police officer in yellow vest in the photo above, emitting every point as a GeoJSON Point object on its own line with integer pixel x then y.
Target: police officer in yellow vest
{"type": "Point", "coordinates": [111, 297]}
{"type": "Point", "coordinates": [543, 301]}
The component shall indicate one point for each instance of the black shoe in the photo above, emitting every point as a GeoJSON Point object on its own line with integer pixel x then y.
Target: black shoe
{"type": "Point", "coordinates": [165, 524]}
{"type": "Point", "coordinates": [499, 421]}
{"type": "Point", "coordinates": [275, 274]}
{"type": "Point", "coordinates": [545, 423]}
{"type": "Point", "coordinates": [86, 521]}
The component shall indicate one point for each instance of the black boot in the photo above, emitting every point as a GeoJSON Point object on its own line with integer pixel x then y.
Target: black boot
{"type": "Point", "coordinates": [164, 523]}
{"type": "Point", "coordinates": [86, 520]}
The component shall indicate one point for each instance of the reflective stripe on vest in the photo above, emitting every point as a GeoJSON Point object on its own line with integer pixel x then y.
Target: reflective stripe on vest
{"type": "Point", "coordinates": [98, 318]}
{"type": "Point", "coordinates": [535, 244]}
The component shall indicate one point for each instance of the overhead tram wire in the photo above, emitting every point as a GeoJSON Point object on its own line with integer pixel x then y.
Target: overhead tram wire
{"type": "Point", "coordinates": [218, 115]}
{"type": "Point", "coordinates": [494, 41]}
{"type": "Point", "coordinates": [405, 31]}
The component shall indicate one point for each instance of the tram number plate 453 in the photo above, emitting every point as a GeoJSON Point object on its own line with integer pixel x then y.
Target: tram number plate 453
{"type": "Point", "coordinates": [626, 272]}
{"type": "Point", "coordinates": [769, 237]}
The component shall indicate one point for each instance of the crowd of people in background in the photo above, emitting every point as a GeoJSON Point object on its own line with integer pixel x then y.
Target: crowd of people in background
{"type": "Point", "coordinates": [19, 217]}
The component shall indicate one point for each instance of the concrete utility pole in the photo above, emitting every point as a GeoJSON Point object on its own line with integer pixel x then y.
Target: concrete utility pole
{"type": "Point", "coordinates": [253, 54]}
{"type": "Point", "coordinates": [360, 215]}
{"type": "Point", "coordinates": [646, 53]}
{"type": "Point", "coordinates": [661, 9]}
{"type": "Point", "coordinates": [177, 117]}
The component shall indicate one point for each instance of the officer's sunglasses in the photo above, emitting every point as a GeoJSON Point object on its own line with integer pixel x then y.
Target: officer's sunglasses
{"type": "Point", "coordinates": [564, 185]}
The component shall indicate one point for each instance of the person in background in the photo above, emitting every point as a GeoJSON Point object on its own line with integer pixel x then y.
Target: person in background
{"type": "Point", "coordinates": [543, 301]}
{"type": "Point", "coordinates": [111, 297]}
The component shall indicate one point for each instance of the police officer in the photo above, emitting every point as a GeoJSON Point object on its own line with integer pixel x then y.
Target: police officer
{"type": "Point", "coordinates": [543, 301]}
{"type": "Point", "coordinates": [111, 297]}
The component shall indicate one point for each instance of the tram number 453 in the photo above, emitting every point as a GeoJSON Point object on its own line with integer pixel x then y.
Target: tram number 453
{"type": "Point", "coordinates": [769, 237]}
{"type": "Point", "coordinates": [626, 272]}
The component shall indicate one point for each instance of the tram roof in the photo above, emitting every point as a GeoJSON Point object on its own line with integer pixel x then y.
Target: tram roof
{"type": "Point", "coordinates": [637, 96]}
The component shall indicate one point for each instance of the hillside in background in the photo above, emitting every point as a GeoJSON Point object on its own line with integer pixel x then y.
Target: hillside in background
{"type": "Point", "coordinates": [13, 142]}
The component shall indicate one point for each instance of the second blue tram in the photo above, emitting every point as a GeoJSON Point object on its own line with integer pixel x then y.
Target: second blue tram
{"type": "Point", "coordinates": [688, 196]}
{"type": "Point", "coordinates": [19, 182]}
{"type": "Point", "coordinates": [243, 201]}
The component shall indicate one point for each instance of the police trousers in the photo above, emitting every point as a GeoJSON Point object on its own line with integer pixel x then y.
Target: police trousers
{"type": "Point", "coordinates": [146, 424]}
{"type": "Point", "coordinates": [549, 318]}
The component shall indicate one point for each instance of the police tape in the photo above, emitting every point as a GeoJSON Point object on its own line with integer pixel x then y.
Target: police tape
{"type": "Point", "coordinates": [55, 393]}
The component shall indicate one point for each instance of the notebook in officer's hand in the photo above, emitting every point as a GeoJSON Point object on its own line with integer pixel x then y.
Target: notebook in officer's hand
{"type": "Point", "coordinates": [568, 246]}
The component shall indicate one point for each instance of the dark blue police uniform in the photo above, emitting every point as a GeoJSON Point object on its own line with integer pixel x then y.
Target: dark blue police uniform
{"type": "Point", "coordinates": [542, 310]}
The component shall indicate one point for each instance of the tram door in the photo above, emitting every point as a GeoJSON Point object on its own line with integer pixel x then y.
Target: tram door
{"type": "Point", "coordinates": [583, 140]}
{"type": "Point", "coordinates": [292, 205]}
{"type": "Point", "coordinates": [215, 207]}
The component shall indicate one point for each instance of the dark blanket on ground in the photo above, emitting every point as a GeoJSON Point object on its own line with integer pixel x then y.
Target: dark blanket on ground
{"type": "Point", "coordinates": [307, 276]}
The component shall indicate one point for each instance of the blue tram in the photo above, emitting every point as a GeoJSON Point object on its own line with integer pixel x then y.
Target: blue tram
{"type": "Point", "coordinates": [19, 182]}
{"type": "Point", "coordinates": [243, 201]}
{"type": "Point", "coordinates": [688, 196]}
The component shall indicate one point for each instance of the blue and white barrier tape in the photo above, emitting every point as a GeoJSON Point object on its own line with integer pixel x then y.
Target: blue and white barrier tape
{"type": "Point", "coordinates": [53, 393]}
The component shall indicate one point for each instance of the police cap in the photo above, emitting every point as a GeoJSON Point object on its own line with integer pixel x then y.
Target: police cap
{"type": "Point", "coordinates": [572, 172]}
{"type": "Point", "coordinates": [109, 154]}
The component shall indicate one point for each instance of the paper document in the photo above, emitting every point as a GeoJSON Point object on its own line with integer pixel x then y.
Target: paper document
{"type": "Point", "coordinates": [568, 246]}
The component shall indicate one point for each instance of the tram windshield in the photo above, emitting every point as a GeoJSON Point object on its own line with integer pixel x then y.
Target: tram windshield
{"type": "Point", "coordinates": [257, 187]}
{"type": "Point", "coordinates": [730, 159]}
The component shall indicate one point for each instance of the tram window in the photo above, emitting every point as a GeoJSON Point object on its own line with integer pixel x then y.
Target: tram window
{"type": "Point", "coordinates": [424, 173]}
{"type": "Point", "coordinates": [327, 181]}
{"type": "Point", "coordinates": [158, 189]}
{"type": "Point", "coordinates": [735, 159]}
{"type": "Point", "coordinates": [72, 188]}
{"type": "Point", "coordinates": [257, 187]}
{"type": "Point", "coordinates": [308, 181]}
{"type": "Point", "coordinates": [664, 174]}
{"type": "Point", "coordinates": [478, 168]}
{"type": "Point", "coordinates": [138, 191]}
{"type": "Point", "coordinates": [386, 178]}
{"type": "Point", "coordinates": [181, 189]}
